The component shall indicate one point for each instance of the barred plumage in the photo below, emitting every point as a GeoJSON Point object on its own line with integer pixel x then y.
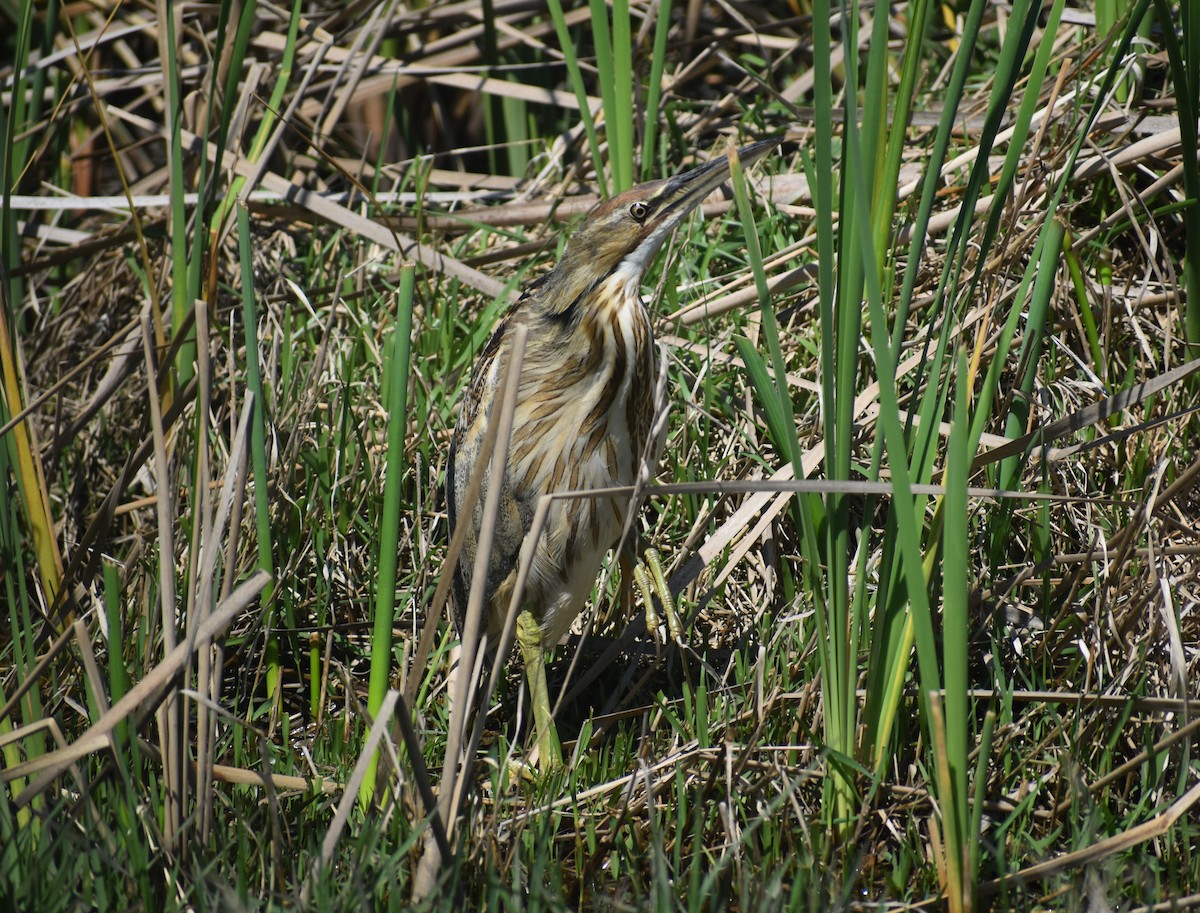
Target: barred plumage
{"type": "Point", "coordinates": [584, 409]}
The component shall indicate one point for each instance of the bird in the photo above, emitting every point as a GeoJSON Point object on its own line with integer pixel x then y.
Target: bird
{"type": "Point", "coordinates": [584, 410]}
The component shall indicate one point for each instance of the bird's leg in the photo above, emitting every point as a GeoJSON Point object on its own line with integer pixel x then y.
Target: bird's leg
{"type": "Point", "coordinates": [648, 574]}
{"type": "Point", "coordinates": [529, 636]}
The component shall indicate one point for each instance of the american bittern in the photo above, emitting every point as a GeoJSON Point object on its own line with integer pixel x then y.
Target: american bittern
{"type": "Point", "coordinates": [584, 407]}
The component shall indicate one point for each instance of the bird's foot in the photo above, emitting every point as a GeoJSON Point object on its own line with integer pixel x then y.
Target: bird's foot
{"type": "Point", "coordinates": [530, 771]}
{"type": "Point", "coordinates": [650, 579]}
{"type": "Point", "coordinates": [544, 762]}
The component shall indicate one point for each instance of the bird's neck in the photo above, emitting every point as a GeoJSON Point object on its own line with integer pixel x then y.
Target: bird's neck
{"type": "Point", "coordinates": [563, 290]}
{"type": "Point", "coordinates": [570, 286]}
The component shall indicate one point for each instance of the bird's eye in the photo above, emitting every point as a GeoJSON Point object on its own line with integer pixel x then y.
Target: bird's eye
{"type": "Point", "coordinates": [639, 211]}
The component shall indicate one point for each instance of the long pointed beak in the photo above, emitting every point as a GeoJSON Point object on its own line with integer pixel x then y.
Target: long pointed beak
{"type": "Point", "coordinates": [683, 193]}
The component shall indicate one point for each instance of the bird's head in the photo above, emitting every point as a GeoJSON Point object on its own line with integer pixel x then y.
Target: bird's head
{"type": "Point", "coordinates": [624, 233]}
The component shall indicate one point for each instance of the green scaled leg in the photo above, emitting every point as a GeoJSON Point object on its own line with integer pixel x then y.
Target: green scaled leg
{"type": "Point", "coordinates": [529, 636]}
{"type": "Point", "coordinates": [651, 580]}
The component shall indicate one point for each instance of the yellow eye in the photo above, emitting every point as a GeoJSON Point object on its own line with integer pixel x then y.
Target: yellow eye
{"type": "Point", "coordinates": [639, 211]}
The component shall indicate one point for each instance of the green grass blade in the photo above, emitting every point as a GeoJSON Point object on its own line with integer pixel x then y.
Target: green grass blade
{"type": "Point", "coordinates": [390, 525]}
{"type": "Point", "coordinates": [1083, 302]}
{"type": "Point", "coordinates": [830, 592]}
{"type": "Point", "coordinates": [575, 76]}
{"type": "Point", "coordinates": [1184, 60]}
{"type": "Point", "coordinates": [956, 621]}
{"type": "Point", "coordinates": [781, 430]}
{"type": "Point", "coordinates": [258, 435]}
{"type": "Point", "coordinates": [1033, 340]}
{"type": "Point", "coordinates": [620, 119]}
{"type": "Point", "coordinates": [273, 106]}
{"type": "Point", "coordinates": [516, 134]}
{"type": "Point", "coordinates": [605, 70]}
{"type": "Point", "coordinates": [893, 632]}
{"type": "Point", "coordinates": [658, 63]}
{"type": "Point", "coordinates": [183, 294]}
{"type": "Point", "coordinates": [770, 326]}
